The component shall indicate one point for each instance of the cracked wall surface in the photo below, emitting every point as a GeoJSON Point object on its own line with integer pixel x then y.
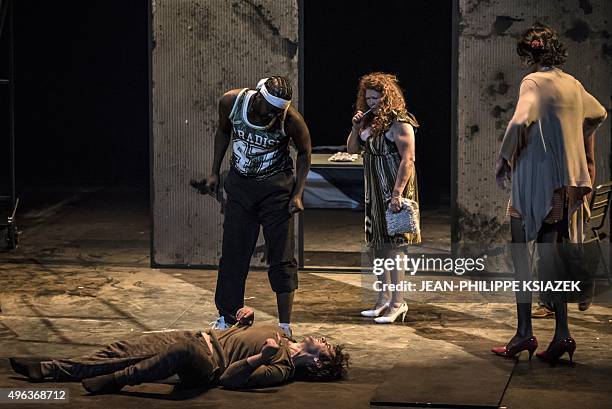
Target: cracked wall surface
{"type": "Point", "coordinates": [488, 80]}
{"type": "Point", "coordinates": [203, 48]}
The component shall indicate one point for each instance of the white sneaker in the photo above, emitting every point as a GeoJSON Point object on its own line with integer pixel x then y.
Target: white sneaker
{"type": "Point", "coordinates": [219, 323]}
{"type": "Point", "coordinates": [286, 328]}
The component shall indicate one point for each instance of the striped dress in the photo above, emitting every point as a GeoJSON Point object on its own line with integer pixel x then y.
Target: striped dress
{"type": "Point", "coordinates": [381, 161]}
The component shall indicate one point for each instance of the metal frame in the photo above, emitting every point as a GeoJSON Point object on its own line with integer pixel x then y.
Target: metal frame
{"type": "Point", "coordinates": [454, 188]}
{"type": "Point", "coordinates": [301, 91]}
{"type": "Point", "coordinates": [597, 203]}
{"type": "Point", "coordinates": [7, 16]}
{"type": "Point", "coordinates": [150, 46]}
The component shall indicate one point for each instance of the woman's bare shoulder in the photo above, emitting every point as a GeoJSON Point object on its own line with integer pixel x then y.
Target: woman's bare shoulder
{"type": "Point", "coordinates": [402, 126]}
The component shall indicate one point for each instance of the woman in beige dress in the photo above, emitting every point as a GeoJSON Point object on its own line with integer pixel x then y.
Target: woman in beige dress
{"type": "Point", "coordinates": [545, 153]}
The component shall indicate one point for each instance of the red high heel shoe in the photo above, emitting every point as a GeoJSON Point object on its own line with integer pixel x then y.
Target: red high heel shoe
{"type": "Point", "coordinates": [556, 349]}
{"type": "Point", "coordinates": [530, 344]}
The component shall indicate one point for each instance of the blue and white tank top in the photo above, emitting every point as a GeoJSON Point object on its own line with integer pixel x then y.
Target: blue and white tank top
{"type": "Point", "coordinates": [257, 151]}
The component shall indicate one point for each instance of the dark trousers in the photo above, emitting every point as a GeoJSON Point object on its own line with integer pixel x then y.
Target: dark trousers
{"type": "Point", "coordinates": [251, 204]}
{"type": "Point", "coordinates": [149, 358]}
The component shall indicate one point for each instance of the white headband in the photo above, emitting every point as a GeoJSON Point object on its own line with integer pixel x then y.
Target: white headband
{"type": "Point", "coordinates": [274, 101]}
{"type": "Point", "coordinates": [261, 83]}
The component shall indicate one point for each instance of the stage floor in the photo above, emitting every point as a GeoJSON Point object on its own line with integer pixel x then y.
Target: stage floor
{"type": "Point", "coordinates": [81, 279]}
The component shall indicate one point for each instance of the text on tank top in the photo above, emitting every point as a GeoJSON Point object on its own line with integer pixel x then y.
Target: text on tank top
{"type": "Point", "coordinates": [257, 151]}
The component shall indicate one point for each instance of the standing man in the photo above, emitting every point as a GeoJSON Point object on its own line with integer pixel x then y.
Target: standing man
{"type": "Point", "coordinates": [261, 191]}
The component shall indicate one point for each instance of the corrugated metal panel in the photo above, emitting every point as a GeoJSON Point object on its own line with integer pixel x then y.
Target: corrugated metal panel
{"type": "Point", "coordinates": [488, 80]}
{"type": "Point", "coordinates": [202, 49]}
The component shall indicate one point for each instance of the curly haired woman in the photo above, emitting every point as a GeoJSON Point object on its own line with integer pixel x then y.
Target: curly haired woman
{"type": "Point", "coordinates": [384, 131]}
{"type": "Point", "coordinates": [547, 151]}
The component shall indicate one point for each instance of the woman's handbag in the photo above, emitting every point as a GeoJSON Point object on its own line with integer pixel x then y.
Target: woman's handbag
{"type": "Point", "coordinates": [404, 221]}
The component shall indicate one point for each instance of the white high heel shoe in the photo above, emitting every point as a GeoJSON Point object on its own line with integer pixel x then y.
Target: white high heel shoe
{"type": "Point", "coordinates": [401, 310]}
{"type": "Point", "coordinates": [376, 312]}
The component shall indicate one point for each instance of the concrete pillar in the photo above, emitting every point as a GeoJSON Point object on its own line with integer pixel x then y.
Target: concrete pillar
{"type": "Point", "coordinates": [203, 48]}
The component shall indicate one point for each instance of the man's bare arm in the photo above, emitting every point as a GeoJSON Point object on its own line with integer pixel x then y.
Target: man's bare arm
{"type": "Point", "coordinates": [298, 132]}
{"type": "Point", "coordinates": [224, 128]}
{"type": "Point", "coordinates": [222, 137]}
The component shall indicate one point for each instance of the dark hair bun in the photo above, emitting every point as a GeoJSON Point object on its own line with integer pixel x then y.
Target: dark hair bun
{"type": "Point", "coordinates": [540, 45]}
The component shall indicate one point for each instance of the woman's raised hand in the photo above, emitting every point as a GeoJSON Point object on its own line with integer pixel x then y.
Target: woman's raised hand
{"type": "Point", "coordinates": [357, 119]}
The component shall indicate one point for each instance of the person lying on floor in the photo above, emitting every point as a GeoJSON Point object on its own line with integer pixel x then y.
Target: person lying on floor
{"type": "Point", "coordinates": [243, 356]}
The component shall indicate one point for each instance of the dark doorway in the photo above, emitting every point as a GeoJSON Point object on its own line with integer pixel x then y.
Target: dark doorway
{"type": "Point", "coordinates": [344, 40]}
{"type": "Point", "coordinates": [81, 116]}
{"type": "Point", "coordinates": [82, 92]}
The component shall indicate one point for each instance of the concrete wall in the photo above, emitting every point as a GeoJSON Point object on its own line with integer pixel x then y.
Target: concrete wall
{"type": "Point", "coordinates": [203, 48]}
{"type": "Point", "coordinates": [488, 80]}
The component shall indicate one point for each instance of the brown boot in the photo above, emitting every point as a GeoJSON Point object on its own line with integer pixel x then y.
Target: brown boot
{"type": "Point", "coordinates": [101, 384]}
{"type": "Point", "coordinates": [28, 367]}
